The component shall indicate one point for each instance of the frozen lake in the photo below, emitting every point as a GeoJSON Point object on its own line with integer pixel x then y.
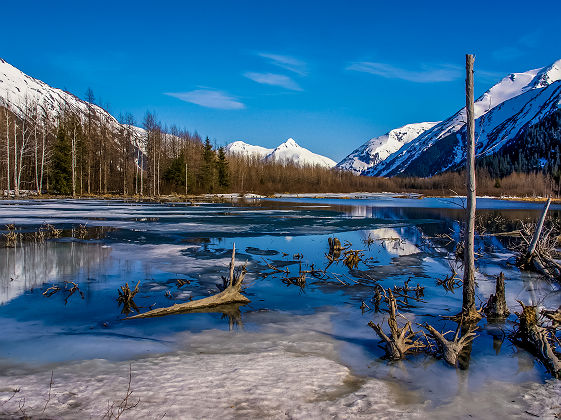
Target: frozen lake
{"type": "Point", "coordinates": [296, 352]}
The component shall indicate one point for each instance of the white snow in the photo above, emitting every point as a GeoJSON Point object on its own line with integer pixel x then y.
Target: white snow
{"type": "Point", "coordinates": [287, 152]}
{"type": "Point", "coordinates": [245, 149]}
{"type": "Point", "coordinates": [379, 148]}
{"type": "Point", "coordinates": [286, 372]}
{"type": "Point", "coordinates": [19, 91]}
{"type": "Point", "coordinates": [509, 87]}
{"type": "Point", "coordinates": [290, 151]}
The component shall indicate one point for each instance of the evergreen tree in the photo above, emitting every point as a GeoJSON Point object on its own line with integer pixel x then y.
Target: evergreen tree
{"type": "Point", "coordinates": [175, 173]}
{"type": "Point", "coordinates": [208, 168]}
{"type": "Point", "coordinates": [223, 169]}
{"type": "Point", "coordinates": [61, 164]}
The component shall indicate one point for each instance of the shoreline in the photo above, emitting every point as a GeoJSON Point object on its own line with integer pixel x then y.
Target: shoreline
{"type": "Point", "coordinates": [26, 195]}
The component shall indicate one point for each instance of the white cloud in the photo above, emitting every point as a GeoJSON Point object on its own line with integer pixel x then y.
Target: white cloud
{"type": "Point", "coordinates": [286, 62]}
{"type": "Point", "coordinates": [209, 98]}
{"type": "Point", "coordinates": [422, 74]}
{"type": "Point", "coordinates": [273, 80]}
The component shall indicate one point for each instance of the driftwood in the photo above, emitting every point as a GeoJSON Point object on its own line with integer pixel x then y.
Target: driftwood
{"type": "Point", "coordinates": [553, 316]}
{"type": "Point", "coordinates": [451, 282]}
{"type": "Point", "coordinates": [400, 341]}
{"type": "Point", "coordinates": [496, 305]}
{"type": "Point", "coordinates": [230, 294]}
{"type": "Point", "coordinates": [70, 291]}
{"type": "Point", "coordinates": [450, 350]}
{"type": "Point", "coordinates": [126, 296]}
{"type": "Point", "coordinates": [535, 339]}
{"type": "Point", "coordinates": [334, 245]}
{"type": "Point", "coordinates": [352, 258]}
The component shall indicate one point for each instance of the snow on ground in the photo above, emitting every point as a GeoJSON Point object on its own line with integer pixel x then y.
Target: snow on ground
{"type": "Point", "coordinates": [287, 372]}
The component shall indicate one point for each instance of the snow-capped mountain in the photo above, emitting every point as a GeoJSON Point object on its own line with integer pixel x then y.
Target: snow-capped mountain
{"type": "Point", "coordinates": [379, 148]}
{"type": "Point", "coordinates": [289, 151]}
{"type": "Point", "coordinates": [430, 152]}
{"type": "Point", "coordinates": [18, 91]}
{"type": "Point", "coordinates": [245, 149]}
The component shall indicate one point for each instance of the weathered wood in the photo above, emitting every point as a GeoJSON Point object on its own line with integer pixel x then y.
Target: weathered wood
{"type": "Point", "coordinates": [553, 316]}
{"type": "Point", "coordinates": [231, 294]}
{"type": "Point", "coordinates": [536, 340]}
{"type": "Point", "coordinates": [400, 341]}
{"type": "Point", "coordinates": [450, 350]}
{"type": "Point", "coordinates": [537, 233]}
{"type": "Point", "coordinates": [496, 305]}
{"type": "Point", "coordinates": [468, 302]}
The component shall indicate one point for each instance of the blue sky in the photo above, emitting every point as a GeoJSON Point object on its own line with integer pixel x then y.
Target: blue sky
{"type": "Point", "coordinates": [330, 74]}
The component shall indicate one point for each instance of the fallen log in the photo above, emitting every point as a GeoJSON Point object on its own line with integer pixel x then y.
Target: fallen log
{"type": "Point", "coordinates": [535, 339]}
{"type": "Point", "coordinates": [229, 295]}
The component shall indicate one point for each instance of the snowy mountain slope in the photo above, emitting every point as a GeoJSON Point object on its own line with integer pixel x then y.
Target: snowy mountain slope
{"type": "Point", "coordinates": [245, 149]}
{"type": "Point", "coordinates": [290, 151]}
{"type": "Point", "coordinates": [509, 87]}
{"type": "Point", "coordinates": [379, 148]}
{"type": "Point", "coordinates": [19, 91]}
{"type": "Point", "coordinates": [493, 131]}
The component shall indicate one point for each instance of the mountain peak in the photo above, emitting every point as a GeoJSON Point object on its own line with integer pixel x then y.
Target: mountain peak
{"type": "Point", "coordinates": [289, 143]}
{"type": "Point", "coordinates": [548, 75]}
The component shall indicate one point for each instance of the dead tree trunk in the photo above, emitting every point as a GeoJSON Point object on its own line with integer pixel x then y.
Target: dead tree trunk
{"type": "Point", "coordinates": [400, 340]}
{"type": "Point", "coordinates": [536, 340]}
{"type": "Point", "coordinates": [469, 311]}
{"type": "Point", "coordinates": [537, 233]}
{"type": "Point", "coordinates": [229, 295]}
{"type": "Point", "coordinates": [496, 305]}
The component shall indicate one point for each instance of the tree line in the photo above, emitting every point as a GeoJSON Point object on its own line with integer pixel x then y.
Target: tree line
{"type": "Point", "coordinates": [77, 153]}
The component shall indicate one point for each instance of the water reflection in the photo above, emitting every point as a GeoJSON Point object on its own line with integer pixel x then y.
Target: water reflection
{"type": "Point", "coordinates": [160, 244]}
{"type": "Point", "coordinates": [32, 265]}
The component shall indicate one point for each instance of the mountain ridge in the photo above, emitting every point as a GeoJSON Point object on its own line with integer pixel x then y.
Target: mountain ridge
{"type": "Point", "coordinates": [288, 151]}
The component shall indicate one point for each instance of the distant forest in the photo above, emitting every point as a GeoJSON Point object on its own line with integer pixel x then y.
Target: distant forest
{"type": "Point", "coordinates": [73, 154]}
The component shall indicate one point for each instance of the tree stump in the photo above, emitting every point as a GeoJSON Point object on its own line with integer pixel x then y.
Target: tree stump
{"type": "Point", "coordinates": [450, 350]}
{"type": "Point", "coordinates": [496, 305]}
{"type": "Point", "coordinates": [400, 341]}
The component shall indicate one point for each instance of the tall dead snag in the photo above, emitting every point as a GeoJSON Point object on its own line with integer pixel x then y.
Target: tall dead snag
{"type": "Point", "coordinates": [496, 305]}
{"type": "Point", "coordinates": [450, 350]}
{"type": "Point", "coordinates": [400, 341]}
{"type": "Point", "coordinates": [534, 243]}
{"type": "Point", "coordinates": [535, 339]}
{"type": "Point", "coordinates": [469, 311]}
{"type": "Point", "coordinates": [230, 294]}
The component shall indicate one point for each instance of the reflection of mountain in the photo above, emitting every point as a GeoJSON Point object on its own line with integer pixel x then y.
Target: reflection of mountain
{"type": "Point", "coordinates": [30, 266]}
{"type": "Point", "coordinates": [393, 241]}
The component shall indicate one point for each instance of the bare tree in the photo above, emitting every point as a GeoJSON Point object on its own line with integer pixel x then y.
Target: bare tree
{"type": "Point", "coordinates": [468, 306]}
